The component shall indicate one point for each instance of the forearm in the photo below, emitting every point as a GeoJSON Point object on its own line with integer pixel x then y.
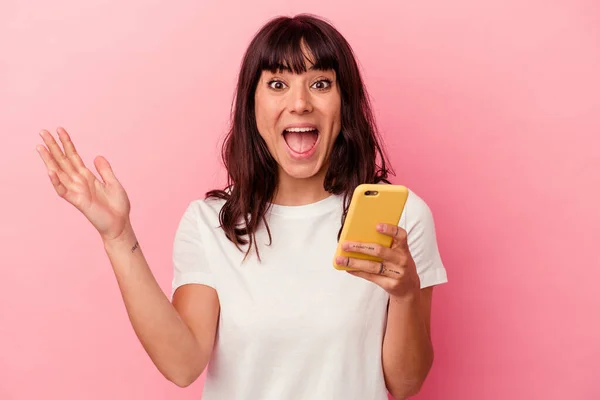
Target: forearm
{"type": "Point", "coordinates": [163, 334]}
{"type": "Point", "coordinates": [407, 350]}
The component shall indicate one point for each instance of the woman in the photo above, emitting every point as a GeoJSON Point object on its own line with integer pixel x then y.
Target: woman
{"type": "Point", "coordinates": [254, 291]}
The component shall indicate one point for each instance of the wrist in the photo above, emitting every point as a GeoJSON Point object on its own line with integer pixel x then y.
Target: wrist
{"type": "Point", "coordinates": [125, 238]}
{"type": "Point", "coordinates": [408, 298]}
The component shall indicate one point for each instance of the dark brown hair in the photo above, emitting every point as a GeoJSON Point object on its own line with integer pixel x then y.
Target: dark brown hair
{"type": "Point", "coordinates": [252, 171]}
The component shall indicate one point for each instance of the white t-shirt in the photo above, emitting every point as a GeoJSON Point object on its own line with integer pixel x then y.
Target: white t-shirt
{"type": "Point", "coordinates": [294, 327]}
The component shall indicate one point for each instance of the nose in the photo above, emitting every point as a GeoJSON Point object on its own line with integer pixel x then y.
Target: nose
{"type": "Point", "coordinates": [299, 101]}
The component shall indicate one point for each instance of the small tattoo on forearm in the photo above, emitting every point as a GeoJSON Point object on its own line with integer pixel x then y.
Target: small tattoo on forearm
{"type": "Point", "coordinates": [135, 246]}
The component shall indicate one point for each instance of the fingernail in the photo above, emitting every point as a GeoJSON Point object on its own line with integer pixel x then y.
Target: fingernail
{"type": "Point", "coordinates": [380, 227]}
{"type": "Point", "coordinates": [339, 260]}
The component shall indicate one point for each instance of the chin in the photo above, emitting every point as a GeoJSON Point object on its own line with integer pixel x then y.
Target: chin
{"type": "Point", "coordinates": [301, 171]}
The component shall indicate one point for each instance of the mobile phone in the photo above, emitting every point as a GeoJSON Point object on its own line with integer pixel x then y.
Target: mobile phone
{"type": "Point", "coordinates": [371, 204]}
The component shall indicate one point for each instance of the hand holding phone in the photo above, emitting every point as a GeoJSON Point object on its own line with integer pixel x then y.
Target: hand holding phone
{"type": "Point", "coordinates": [371, 204]}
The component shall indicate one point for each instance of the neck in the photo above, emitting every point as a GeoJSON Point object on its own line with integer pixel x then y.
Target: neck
{"type": "Point", "coordinates": [297, 192]}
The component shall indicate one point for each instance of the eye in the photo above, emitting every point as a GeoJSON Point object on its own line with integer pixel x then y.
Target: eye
{"type": "Point", "coordinates": [323, 84]}
{"type": "Point", "coordinates": [275, 84]}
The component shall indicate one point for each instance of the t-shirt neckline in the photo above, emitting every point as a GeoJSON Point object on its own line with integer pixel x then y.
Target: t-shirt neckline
{"type": "Point", "coordinates": [306, 210]}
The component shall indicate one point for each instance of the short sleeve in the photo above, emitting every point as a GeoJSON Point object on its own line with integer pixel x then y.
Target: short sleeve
{"type": "Point", "coordinates": [190, 264]}
{"type": "Point", "coordinates": [422, 241]}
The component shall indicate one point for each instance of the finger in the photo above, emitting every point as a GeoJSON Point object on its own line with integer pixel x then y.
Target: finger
{"type": "Point", "coordinates": [380, 280]}
{"type": "Point", "coordinates": [372, 249]}
{"type": "Point", "coordinates": [56, 152]}
{"type": "Point", "coordinates": [52, 166]}
{"type": "Point", "coordinates": [70, 150]}
{"type": "Point", "coordinates": [357, 263]}
{"type": "Point", "coordinates": [372, 267]}
{"type": "Point", "coordinates": [105, 170]}
{"type": "Point", "coordinates": [399, 235]}
{"type": "Point", "coordinates": [56, 175]}
{"type": "Point", "coordinates": [61, 189]}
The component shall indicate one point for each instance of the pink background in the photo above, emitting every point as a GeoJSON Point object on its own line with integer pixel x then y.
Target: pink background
{"type": "Point", "coordinates": [491, 113]}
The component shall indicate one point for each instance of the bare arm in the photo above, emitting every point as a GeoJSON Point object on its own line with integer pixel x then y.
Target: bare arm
{"type": "Point", "coordinates": [407, 348]}
{"type": "Point", "coordinates": [407, 352]}
{"type": "Point", "coordinates": [178, 337]}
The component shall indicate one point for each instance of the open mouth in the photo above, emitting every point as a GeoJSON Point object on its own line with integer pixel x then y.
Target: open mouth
{"type": "Point", "coordinates": [301, 140]}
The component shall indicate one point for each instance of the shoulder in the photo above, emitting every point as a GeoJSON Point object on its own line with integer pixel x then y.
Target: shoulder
{"type": "Point", "coordinates": [422, 241]}
{"type": "Point", "coordinates": [199, 212]}
{"type": "Point", "coordinates": [417, 205]}
{"type": "Point", "coordinates": [417, 213]}
{"type": "Point", "coordinates": [205, 206]}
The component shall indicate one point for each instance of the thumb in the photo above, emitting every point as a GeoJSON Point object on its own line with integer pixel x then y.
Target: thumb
{"type": "Point", "coordinates": [105, 170]}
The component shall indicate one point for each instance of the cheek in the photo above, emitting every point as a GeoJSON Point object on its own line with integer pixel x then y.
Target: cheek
{"type": "Point", "coordinates": [335, 113]}
{"type": "Point", "coordinates": [266, 114]}
{"type": "Point", "coordinates": [258, 111]}
{"type": "Point", "coordinates": [265, 123]}
{"type": "Point", "coordinates": [334, 108]}
{"type": "Point", "coordinates": [261, 120]}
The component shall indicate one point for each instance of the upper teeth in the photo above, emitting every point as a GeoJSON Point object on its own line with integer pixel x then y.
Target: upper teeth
{"type": "Point", "coordinates": [300, 129]}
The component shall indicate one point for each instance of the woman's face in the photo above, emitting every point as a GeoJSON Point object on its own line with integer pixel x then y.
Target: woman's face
{"type": "Point", "coordinates": [298, 116]}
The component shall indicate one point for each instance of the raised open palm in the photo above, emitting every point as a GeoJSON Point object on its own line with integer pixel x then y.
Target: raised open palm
{"type": "Point", "coordinates": [104, 204]}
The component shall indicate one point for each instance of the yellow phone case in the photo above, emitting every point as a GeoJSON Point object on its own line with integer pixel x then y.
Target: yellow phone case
{"type": "Point", "coordinates": [365, 212]}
